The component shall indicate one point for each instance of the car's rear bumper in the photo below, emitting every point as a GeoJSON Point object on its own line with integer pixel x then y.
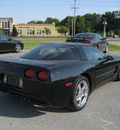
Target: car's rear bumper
{"type": "Point", "coordinates": [55, 95]}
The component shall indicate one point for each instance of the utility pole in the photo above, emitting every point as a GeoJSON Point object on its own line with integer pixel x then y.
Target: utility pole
{"type": "Point", "coordinates": [74, 14]}
{"type": "Point", "coordinates": [104, 30]}
{"type": "Point", "coordinates": [68, 25]}
{"type": "Point", "coordinates": [72, 26]}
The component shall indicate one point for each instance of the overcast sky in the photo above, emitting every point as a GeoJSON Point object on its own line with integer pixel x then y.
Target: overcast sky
{"type": "Point", "coordinates": [23, 11]}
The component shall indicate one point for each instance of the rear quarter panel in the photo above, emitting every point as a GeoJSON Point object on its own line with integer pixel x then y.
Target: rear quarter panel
{"type": "Point", "coordinates": [67, 73]}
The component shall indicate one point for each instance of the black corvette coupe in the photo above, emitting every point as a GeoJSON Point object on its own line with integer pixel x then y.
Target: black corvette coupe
{"type": "Point", "coordinates": [7, 44]}
{"type": "Point", "coordinates": [59, 73]}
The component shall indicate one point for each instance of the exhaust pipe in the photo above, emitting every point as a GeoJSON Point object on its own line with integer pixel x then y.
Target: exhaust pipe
{"type": "Point", "coordinates": [11, 94]}
{"type": "Point", "coordinates": [25, 99]}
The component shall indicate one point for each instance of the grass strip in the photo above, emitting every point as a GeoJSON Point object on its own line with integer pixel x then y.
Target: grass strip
{"type": "Point", "coordinates": [113, 47]}
{"type": "Point", "coordinates": [29, 44]}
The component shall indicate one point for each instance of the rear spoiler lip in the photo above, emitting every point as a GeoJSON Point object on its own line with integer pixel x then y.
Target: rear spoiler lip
{"type": "Point", "coordinates": [77, 38]}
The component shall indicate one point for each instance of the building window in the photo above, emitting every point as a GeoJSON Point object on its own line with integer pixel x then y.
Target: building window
{"type": "Point", "coordinates": [38, 31]}
{"type": "Point", "coordinates": [50, 32]}
{"type": "Point", "coordinates": [19, 32]}
{"type": "Point", "coordinates": [6, 24]}
{"type": "Point", "coordinates": [29, 31]}
{"type": "Point", "coordinates": [2, 24]}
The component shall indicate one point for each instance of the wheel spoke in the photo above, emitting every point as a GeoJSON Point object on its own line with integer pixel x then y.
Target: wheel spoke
{"type": "Point", "coordinates": [81, 93]}
{"type": "Point", "coordinates": [18, 48]}
{"type": "Point", "coordinates": [78, 98]}
{"type": "Point", "coordinates": [84, 86]}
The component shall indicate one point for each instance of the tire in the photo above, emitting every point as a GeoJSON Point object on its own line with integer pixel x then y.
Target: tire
{"type": "Point", "coordinates": [118, 76]}
{"type": "Point", "coordinates": [80, 94]}
{"type": "Point", "coordinates": [18, 48]}
{"type": "Point", "coordinates": [106, 49]}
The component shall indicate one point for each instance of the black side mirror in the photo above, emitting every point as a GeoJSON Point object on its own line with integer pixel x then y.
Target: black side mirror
{"type": "Point", "coordinates": [110, 57]}
{"type": "Point", "coordinates": [103, 38]}
{"type": "Point", "coordinates": [10, 39]}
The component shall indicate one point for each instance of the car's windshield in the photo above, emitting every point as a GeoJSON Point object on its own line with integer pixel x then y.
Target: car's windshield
{"type": "Point", "coordinates": [53, 52]}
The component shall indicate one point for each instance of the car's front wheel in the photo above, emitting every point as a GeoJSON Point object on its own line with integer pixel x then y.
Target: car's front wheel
{"type": "Point", "coordinates": [80, 94]}
{"type": "Point", "coordinates": [18, 48]}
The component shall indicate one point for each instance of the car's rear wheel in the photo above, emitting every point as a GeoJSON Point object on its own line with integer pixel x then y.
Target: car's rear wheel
{"type": "Point", "coordinates": [18, 48]}
{"type": "Point", "coordinates": [80, 94]}
{"type": "Point", "coordinates": [106, 49]}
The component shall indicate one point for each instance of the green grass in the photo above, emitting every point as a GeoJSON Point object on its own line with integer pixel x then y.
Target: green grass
{"type": "Point", "coordinates": [113, 47]}
{"type": "Point", "coordinates": [29, 44]}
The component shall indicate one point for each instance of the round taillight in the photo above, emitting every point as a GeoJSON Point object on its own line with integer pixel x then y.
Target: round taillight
{"type": "Point", "coordinates": [29, 73]}
{"type": "Point", "coordinates": [89, 42]}
{"type": "Point", "coordinates": [43, 75]}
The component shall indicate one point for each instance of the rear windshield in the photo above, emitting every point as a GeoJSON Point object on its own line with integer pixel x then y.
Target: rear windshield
{"type": "Point", "coordinates": [87, 36]}
{"type": "Point", "coordinates": [53, 52]}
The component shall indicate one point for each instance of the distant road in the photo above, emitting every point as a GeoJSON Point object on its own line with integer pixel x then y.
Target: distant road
{"type": "Point", "coordinates": [114, 41]}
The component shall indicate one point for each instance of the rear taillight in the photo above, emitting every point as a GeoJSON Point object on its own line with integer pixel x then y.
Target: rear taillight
{"type": "Point", "coordinates": [42, 75]}
{"type": "Point", "coordinates": [89, 42]}
{"type": "Point", "coordinates": [29, 73]}
{"type": "Point", "coordinates": [12, 63]}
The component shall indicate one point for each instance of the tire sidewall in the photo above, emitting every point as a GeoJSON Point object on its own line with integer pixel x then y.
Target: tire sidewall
{"type": "Point", "coordinates": [74, 92]}
{"type": "Point", "coordinates": [16, 47]}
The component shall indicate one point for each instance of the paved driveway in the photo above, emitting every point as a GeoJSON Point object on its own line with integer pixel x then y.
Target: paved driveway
{"type": "Point", "coordinates": [102, 112]}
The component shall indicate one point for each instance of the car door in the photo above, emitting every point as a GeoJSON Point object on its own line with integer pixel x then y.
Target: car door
{"type": "Point", "coordinates": [104, 69]}
{"type": "Point", "coordinates": [7, 44]}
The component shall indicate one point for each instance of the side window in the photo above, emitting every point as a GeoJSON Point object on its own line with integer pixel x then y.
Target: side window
{"type": "Point", "coordinates": [93, 53]}
{"type": "Point", "coordinates": [97, 37]}
{"type": "Point", "coordinates": [4, 37]}
{"type": "Point", "coordinates": [100, 37]}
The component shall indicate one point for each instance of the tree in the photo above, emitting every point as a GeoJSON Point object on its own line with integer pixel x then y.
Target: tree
{"type": "Point", "coordinates": [47, 30]}
{"type": "Point", "coordinates": [117, 31]}
{"type": "Point", "coordinates": [68, 23]}
{"type": "Point", "coordinates": [14, 33]}
{"type": "Point", "coordinates": [62, 29]}
{"type": "Point", "coordinates": [110, 17]}
{"type": "Point", "coordinates": [36, 22]}
{"type": "Point", "coordinates": [50, 20]}
{"type": "Point", "coordinates": [39, 22]}
{"type": "Point", "coordinates": [92, 22]}
{"type": "Point", "coordinates": [80, 24]}
{"type": "Point", "coordinates": [32, 22]}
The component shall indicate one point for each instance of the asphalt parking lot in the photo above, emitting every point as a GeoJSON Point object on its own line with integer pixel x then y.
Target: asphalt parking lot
{"type": "Point", "coordinates": [102, 111]}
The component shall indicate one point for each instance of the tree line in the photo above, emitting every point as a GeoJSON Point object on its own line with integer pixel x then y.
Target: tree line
{"type": "Point", "coordinates": [86, 23]}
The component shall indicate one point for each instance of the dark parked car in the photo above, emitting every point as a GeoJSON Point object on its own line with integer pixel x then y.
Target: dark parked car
{"type": "Point", "coordinates": [7, 44]}
{"type": "Point", "coordinates": [90, 38]}
{"type": "Point", "coordinates": [61, 74]}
